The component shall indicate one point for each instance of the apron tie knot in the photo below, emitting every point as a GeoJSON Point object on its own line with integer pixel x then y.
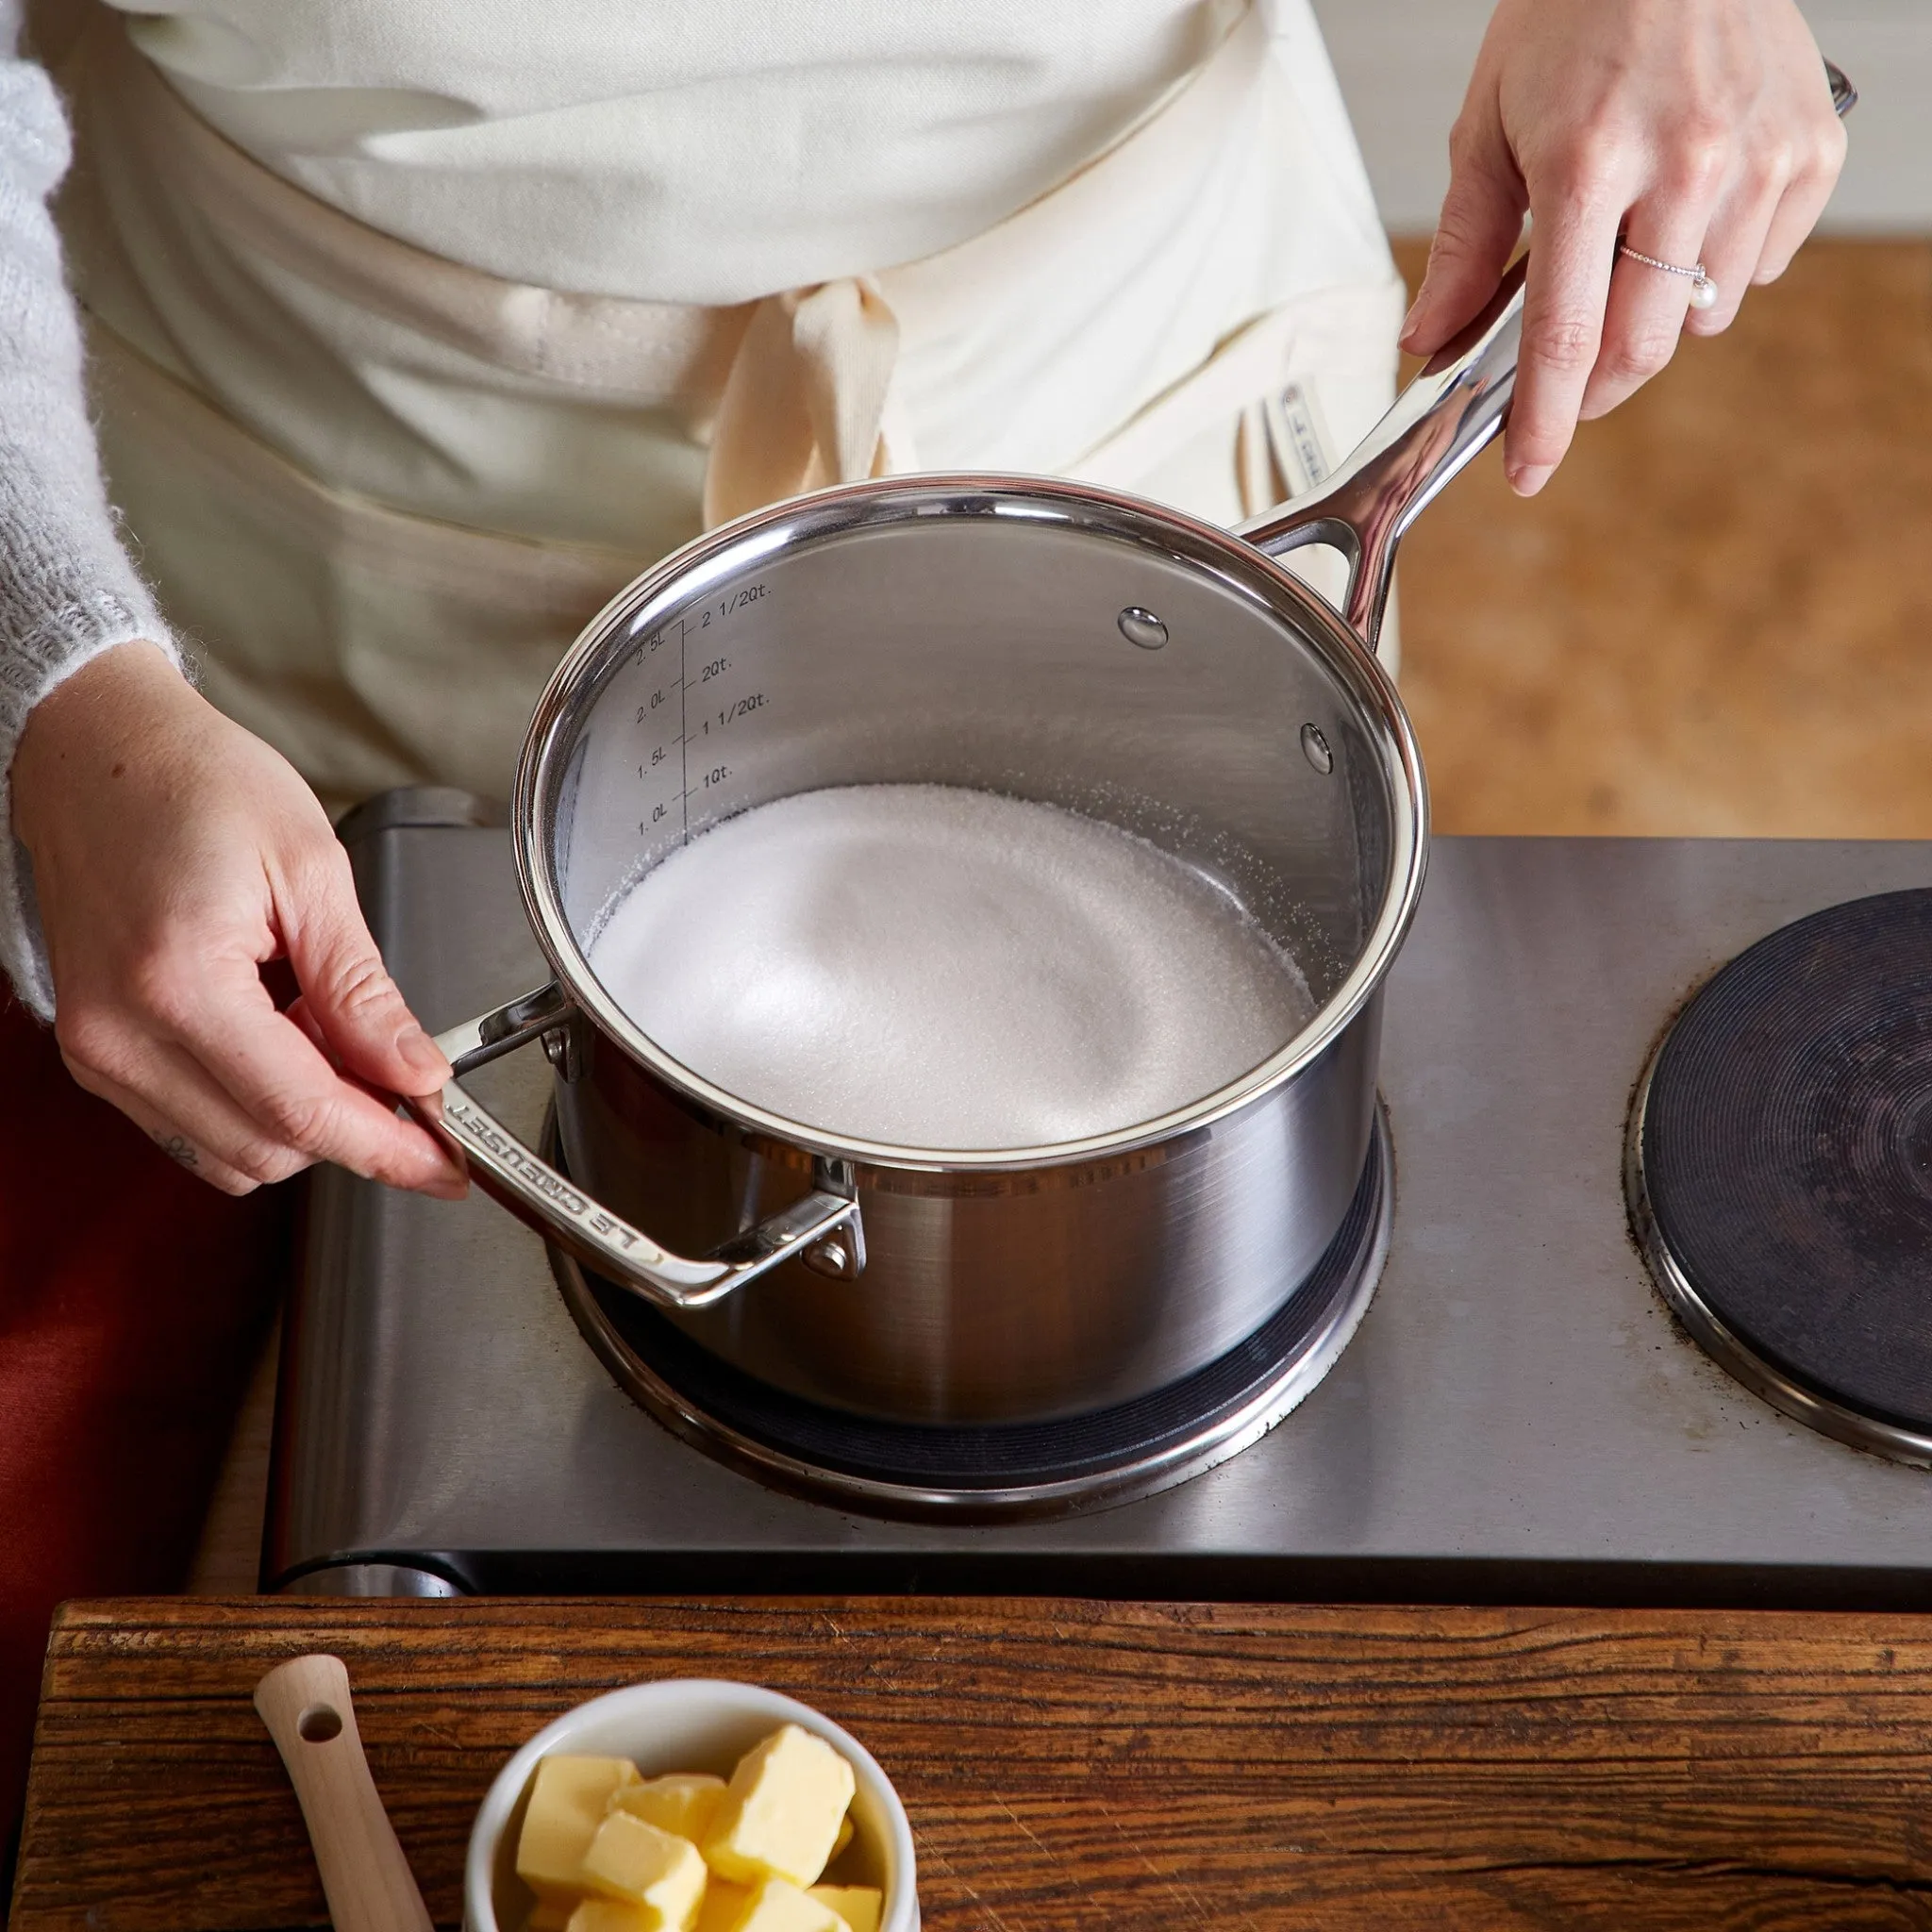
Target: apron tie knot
{"type": "Point", "coordinates": [808, 402]}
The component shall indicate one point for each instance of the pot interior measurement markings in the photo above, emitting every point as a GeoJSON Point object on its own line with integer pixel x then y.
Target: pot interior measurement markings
{"type": "Point", "coordinates": [690, 709]}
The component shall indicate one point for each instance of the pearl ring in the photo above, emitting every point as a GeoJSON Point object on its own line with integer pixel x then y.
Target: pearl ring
{"type": "Point", "coordinates": [1703, 289]}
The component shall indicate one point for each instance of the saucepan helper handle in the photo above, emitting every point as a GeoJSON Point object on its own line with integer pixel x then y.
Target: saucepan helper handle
{"type": "Point", "coordinates": [1438, 423]}
{"type": "Point", "coordinates": [824, 1228]}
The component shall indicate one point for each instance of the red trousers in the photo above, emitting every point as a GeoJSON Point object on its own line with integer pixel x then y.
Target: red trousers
{"type": "Point", "coordinates": [133, 1301]}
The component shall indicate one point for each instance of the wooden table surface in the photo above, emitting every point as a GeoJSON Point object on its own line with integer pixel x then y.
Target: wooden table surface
{"type": "Point", "coordinates": [1065, 1763]}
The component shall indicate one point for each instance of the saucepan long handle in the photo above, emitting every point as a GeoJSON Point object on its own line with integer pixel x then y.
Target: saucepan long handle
{"type": "Point", "coordinates": [1442, 420]}
{"type": "Point", "coordinates": [822, 1228]}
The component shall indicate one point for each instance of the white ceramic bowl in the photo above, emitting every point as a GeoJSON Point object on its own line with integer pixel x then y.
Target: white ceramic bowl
{"type": "Point", "coordinates": [682, 1724]}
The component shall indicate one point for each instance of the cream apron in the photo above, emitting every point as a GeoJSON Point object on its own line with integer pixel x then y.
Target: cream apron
{"type": "Point", "coordinates": [379, 492]}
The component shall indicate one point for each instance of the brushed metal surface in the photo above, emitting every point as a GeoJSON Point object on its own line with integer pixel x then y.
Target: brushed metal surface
{"type": "Point", "coordinates": [369, 1579]}
{"type": "Point", "coordinates": [1518, 1418]}
{"type": "Point", "coordinates": [1020, 1296]}
{"type": "Point", "coordinates": [1212, 1436]}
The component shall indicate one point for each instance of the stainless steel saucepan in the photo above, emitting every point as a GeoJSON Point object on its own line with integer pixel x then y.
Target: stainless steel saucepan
{"type": "Point", "coordinates": [1050, 642]}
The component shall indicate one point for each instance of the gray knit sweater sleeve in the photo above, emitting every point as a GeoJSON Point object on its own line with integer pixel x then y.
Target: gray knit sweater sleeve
{"type": "Point", "coordinates": [67, 588]}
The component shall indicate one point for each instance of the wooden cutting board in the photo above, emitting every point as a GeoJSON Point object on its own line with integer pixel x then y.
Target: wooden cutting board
{"type": "Point", "coordinates": [1066, 1764]}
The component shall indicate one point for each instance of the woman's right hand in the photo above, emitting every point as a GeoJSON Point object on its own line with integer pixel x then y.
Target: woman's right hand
{"type": "Point", "coordinates": [174, 855]}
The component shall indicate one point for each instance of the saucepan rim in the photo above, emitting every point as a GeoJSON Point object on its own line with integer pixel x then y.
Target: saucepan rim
{"type": "Point", "coordinates": [723, 554]}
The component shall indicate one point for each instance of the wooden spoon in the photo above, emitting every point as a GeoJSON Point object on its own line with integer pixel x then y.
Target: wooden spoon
{"type": "Point", "coordinates": [305, 1705]}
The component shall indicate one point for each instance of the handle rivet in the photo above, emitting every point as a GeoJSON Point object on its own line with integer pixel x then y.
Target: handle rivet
{"type": "Point", "coordinates": [830, 1256]}
{"type": "Point", "coordinates": [1315, 749]}
{"type": "Point", "coordinates": [1142, 627]}
{"type": "Point", "coordinates": [562, 1048]}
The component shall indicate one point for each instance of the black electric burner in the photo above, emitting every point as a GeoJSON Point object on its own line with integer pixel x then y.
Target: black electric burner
{"type": "Point", "coordinates": [1780, 1171]}
{"type": "Point", "coordinates": [999, 1470]}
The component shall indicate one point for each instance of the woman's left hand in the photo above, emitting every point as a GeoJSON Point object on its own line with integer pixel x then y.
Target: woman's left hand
{"type": "Point", "coordinates": [1700, 130]}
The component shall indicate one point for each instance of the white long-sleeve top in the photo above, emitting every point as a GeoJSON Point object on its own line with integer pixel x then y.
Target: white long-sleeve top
{"type": "Point", "coordinates": [67, 591]}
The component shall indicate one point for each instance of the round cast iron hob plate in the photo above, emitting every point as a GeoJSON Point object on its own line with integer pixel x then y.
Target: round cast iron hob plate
{"type": "Point", "coordinates": [1007, 1469]}
{"type": "Point", "coordinates": [1780, 1171]}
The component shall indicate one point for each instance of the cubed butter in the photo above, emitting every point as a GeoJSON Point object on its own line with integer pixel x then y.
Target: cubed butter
{"type": "Point", "coordinates": [548, 1915]}
{"type": "Point", "coordinates": [858, 1905]}
{"type": "Point", "coordinates": [608, 1915]}
{"type": "Point", "coordinates": [686, 1802]}
{"type": "Point", "coordinates": [781, 1814]}
{"type": "Point", "coordinates": [844, 1838]}
{"type": "Point", "coordinates": [724, 1908]}
{"type": "Point", "coordinates": [657, 1871]}
{"type": "Point", "coordinates": [778, 1906]}
{"type": "Point", "coordinates": [569, 1797]}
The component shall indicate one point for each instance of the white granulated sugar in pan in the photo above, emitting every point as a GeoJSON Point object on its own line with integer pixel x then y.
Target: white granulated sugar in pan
{"type": "Point", "coordinates": [945, 968]}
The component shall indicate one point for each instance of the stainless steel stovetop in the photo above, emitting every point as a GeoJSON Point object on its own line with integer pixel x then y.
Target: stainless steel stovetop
{"type": "Point", "coordinates": [1518, 1418]}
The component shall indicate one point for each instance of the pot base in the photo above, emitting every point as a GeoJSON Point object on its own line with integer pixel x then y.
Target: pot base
{"type": "Point", "coordinates": [1007, 1469]}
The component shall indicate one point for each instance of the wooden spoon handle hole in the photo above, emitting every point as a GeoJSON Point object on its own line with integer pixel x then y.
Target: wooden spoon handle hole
{"type": "Point", "coordinates": [318, 1724]}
